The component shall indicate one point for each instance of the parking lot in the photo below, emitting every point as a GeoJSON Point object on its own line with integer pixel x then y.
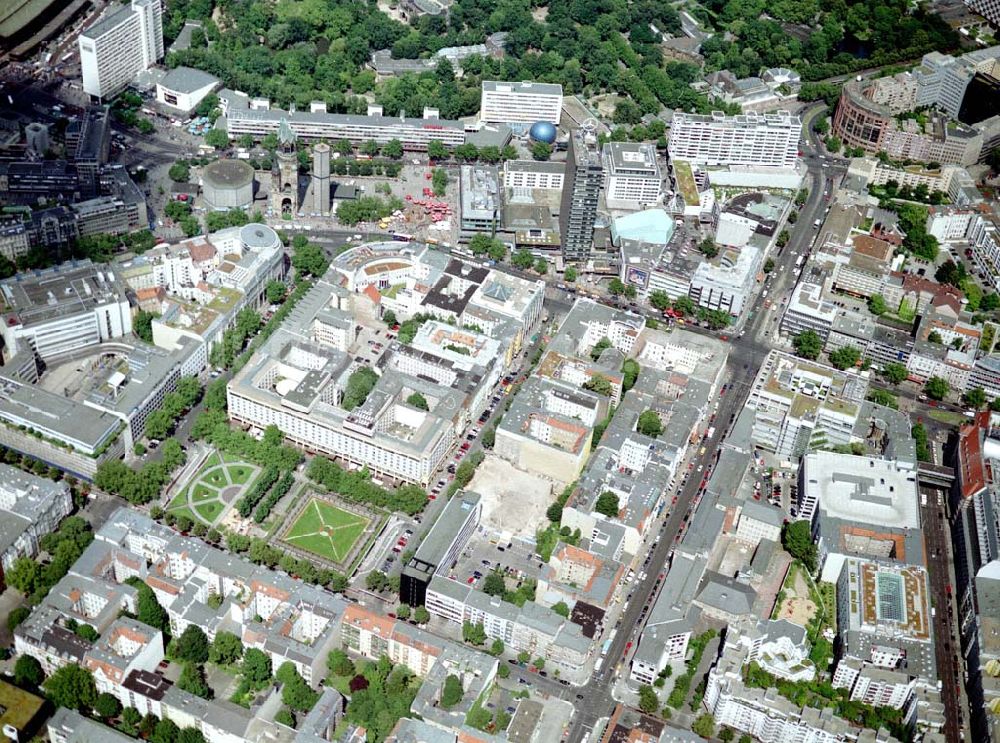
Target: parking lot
{"type": "Point", "coordinates": [385, 555]}
{"type": "Point", "coordinates": [515, 558]}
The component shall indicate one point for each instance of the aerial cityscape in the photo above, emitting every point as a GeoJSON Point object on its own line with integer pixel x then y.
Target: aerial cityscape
{"type": "Point", "coordinates": [453, 371]}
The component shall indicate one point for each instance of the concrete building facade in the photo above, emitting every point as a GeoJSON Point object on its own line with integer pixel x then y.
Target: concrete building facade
{"type": "Point", "coordinates": [769, 140]}
{"type": "Point", "coordinates": [115, 49]}
{"type": "Point", "coordinates": [523, 102]}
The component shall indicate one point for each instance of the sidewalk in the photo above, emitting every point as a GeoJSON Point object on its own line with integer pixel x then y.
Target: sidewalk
{"type": "Point", "coordinates": [197, 454]}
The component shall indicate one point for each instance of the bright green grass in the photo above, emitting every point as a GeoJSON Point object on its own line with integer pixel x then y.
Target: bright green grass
{"type": "Point", "coordinates": [185, 511]}
{"type": "Point", "coordinates": [240, 474]}
{"type": "Point", "coordinates": [209, 512]}
{"type": "Point", "coordinates": [326, 530]}
{"type": "Point", "coordinates": [180, 501]}
{"type": "Point", "coordinates": [213, 460]}
{"type": "Point", "coordinates": [202, 492]}
{"type": "Point", "coordinates": [947, 417]}
{"type": "Point", "coordinates": [216, 478]}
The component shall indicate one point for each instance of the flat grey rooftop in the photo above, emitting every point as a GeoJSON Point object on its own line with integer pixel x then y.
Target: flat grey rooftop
{"type": "Point", "coordinates": [60, 291]}
{"type": "Point", "coordinates": [527, 88]}
{"type": "Point", "coordinates": [434, 546]}
{"type": "Point", "coordinates": [187, 80]}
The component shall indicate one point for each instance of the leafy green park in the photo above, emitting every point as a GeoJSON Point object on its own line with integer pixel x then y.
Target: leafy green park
{"type": "Point", "coordinates": [221, 479]}
{"type": "Point", "coordinates": [326, 531]}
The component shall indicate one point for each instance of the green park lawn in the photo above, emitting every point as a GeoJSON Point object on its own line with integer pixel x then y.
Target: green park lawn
{"type": "Point", "coordinates": [215, 478]}
{"type": "Point", "coordinates": [209, 511]}
{"type": "Point", "coordinates": [326, 530]}
{"type": "Point", "coordinates": [240, 474]}
{"type": "Point", "coordinates": [201, 492]}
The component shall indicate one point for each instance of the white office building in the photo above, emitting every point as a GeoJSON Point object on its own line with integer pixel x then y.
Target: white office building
{"type": "Point", "coordinates": [520, 103]}
{"type": "Point", "coordinates": [632, 175]}
{"type": "Point", "coordinates": [860, 506]}
{"type": "Point", "coordinates": [728, 283]}
{"type": "Point", "coordinates": [124, 43]}
{"type": "Point", "coordinates": [767, 140]}
{"type": "Point", "coordinates": [60, 310]}
{"type": "Point", "coordinates": [529, 174]}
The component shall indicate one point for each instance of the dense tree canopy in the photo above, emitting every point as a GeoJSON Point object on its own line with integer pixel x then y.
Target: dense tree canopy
{"type": "Point", "coordinates": [380, 695]}
{"type": "Point", "coordinates": [72, 687]}
{"type": "Point", "coordinates": [649, 423]}
{"type": "Point", "coordinates": [937, 388]}
{"type": "Point", "coordinates": [607, 504]}
{"type": "Point", "coordinates": [796, 538]}
{"type": "Point", "coordinates": [807, 344]}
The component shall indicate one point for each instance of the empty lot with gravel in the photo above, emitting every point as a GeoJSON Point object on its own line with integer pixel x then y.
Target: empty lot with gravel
{"type": "Point", "coordinates": [514, 502]}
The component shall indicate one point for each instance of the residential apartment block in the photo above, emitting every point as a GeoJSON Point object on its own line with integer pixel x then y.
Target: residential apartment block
{"type": "Point", "coordinates": [287, 620]}
{"type": "Point", "coordinates": [764, 713]}
{"type": "Point", "coordinates": [801, 405]}
{"type": "Point", "coordinates": [547, 429]}
{"type": "Point", "coordinates": [680, 375]}
{"type": "Point", "coordinates": [30, 508]}
{"type": "Point", "coordinates": [532, 628]}
{"type": "Point", "coordinates": [886, 644]}
{"type": "Point", "coordinates": [671, 621]}
{"type": "Point", "coordinates": [433, 659]}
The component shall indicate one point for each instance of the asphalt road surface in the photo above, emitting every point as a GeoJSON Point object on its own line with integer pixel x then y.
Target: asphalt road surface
{"type": "Point", "coordinates": [747, 351]}
{"type": "Point", "coordinates": [937, 543]}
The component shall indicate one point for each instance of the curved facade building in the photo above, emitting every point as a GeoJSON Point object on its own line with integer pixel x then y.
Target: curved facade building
{"type": "Point", "coordinates": [227, 184]}
{"type": "Point", "coordinates": [256, 236]}
{"type": "Point", "coordinates": [860, 121]}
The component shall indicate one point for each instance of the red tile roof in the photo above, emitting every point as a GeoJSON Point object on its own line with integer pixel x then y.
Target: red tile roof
{"type": "Point", "coordinates": [971, 472]}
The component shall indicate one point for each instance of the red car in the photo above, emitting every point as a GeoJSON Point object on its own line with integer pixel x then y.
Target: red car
{"type": "Point", "coordinates": [432, 496]}
{"type": "Point", "coordinates": [472, 579]}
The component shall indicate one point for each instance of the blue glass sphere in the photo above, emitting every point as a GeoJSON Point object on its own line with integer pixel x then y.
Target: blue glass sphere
{"type": "Point", "coordinates": [542, 131]}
